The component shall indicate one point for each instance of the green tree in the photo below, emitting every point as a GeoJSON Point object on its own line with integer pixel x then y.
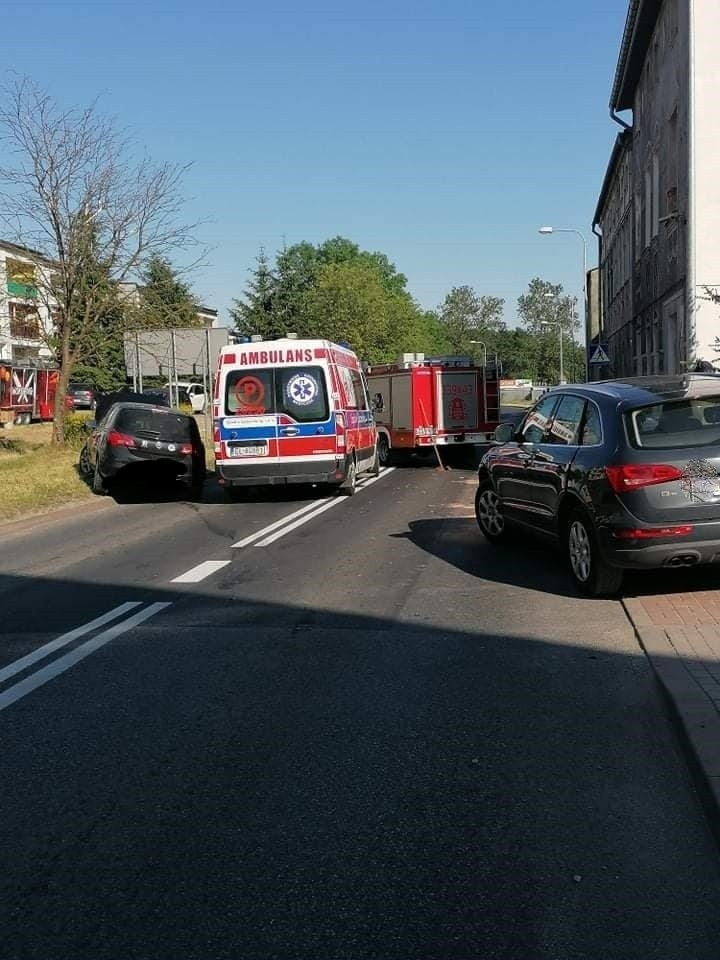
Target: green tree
{"type": "Point", "coordinates": [466, 316]}
{"type": "Point", "coordinates": [544, 311]}
{"type": "Point", "coordinates": [348, 303]}
{"type": "Point", "coordinates": [164, 299]}
{"type": "Point", "coordinates": [255, 313]}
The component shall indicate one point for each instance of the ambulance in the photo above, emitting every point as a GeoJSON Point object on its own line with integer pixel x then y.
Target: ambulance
{"type": "Point", "coordinates": [292, 411]}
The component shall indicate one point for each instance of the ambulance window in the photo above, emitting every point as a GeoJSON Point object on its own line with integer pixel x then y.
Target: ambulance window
{"type": "Point", "coordinates": [359, 391]}
{"type": "Point", "coordinates": [302, 394]}
{"type": "Point", "coordinates": [249, 392]}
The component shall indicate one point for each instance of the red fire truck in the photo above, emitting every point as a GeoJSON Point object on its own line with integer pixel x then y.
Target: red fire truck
{"type": "Point", "coordinates": [28, 393]}
{"type": "Point", "coordinates": [420, 403]}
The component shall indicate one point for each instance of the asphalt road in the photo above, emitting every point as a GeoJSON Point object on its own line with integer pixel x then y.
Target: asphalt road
{"type": "Point", "coordinates": [362, 733]}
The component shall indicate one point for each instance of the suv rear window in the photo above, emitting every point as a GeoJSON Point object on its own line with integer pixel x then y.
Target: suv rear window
{"type": "Point", "coordinates": [675, 424]}
{"type": "Point", "coordinates": [155, 424]}
{"type": "Point", "coordinates": [298, 392]}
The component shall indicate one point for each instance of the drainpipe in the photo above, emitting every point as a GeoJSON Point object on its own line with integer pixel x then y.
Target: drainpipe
{"type": "Point", "coordinates": [617, 119]}
{"type": "Point", "coordinates": [601, 305]}
{"type": "Point", "coordinates": [690, 271]}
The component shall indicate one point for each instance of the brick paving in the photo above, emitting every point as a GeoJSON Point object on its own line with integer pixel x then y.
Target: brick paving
{"type": "Point", "coordinates": [680, 633]}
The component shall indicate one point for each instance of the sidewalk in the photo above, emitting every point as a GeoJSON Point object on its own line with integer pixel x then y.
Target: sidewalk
{"type": "Point", "coordinates": [680, 633]}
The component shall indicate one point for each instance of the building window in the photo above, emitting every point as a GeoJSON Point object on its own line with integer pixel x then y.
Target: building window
{"type": "Point", "coordinates": [647, 212]}
{"type": "Point", "coordinates": [24, 321]}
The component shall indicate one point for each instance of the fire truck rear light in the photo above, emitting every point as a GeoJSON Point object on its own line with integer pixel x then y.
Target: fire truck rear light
{"type": "Point", "coordinates": [216, 434]}
{"type": "Point", "coordinates": [117, 439]}
{"type": "Point", "coordinates": [656, 533]}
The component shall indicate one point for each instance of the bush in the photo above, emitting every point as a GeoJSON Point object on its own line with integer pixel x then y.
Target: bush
{"type": "Point", "coordinates": [75, 429]}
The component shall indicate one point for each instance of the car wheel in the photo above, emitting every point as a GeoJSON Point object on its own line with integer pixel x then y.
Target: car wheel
{"type": "Point", "coordinates": [489, 513]}
{"type": "Point", "coordinates": [593, 575]}
{"type": "Point", "coordinates": [349, 485]}
{"type": "Point", "coordinates": [98, 485]}
{"type": "Point", "coordinates": [383, 450]}
{"type": "Point", "coordinates": [84, 465]}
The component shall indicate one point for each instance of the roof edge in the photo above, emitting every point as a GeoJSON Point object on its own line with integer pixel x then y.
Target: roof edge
{"type": "Point", "coordinates": [622, 142]}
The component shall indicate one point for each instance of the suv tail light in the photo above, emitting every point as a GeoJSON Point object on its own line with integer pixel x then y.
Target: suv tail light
{"type": "Point", "coordinates": [117, 439]}
{"type": "Point", "coordinates": [633, 476]}
{"type": "Point", "coordinates": [186, 448]}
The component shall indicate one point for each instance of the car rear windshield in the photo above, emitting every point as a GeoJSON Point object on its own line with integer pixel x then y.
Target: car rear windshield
{"type": "Point", "coordinates": [298, 392]}
{"type": "Point", "coordinates": [155, 424]}
{"type": "Point", "coordinates": [675, 424]}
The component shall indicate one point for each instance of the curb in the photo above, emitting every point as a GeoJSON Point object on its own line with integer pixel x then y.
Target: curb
{"type": "Point", "coordinates": [694, 717]}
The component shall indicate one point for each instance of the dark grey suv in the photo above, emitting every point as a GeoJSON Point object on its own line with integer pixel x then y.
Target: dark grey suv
{"type": "Point", "coordinates": [624, 474]}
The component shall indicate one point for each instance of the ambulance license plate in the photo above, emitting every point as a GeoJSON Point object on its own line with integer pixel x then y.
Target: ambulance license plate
{"type": "Point", "coordinates": [248, 450]}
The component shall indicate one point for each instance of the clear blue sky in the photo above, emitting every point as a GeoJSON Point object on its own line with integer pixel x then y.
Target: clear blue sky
{"type": "Point", "coordinates": [442, 133]}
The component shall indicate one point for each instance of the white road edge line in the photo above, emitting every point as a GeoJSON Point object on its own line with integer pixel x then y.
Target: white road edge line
{"type": "Point", "coordinates": [17, 666]}
{"type": "Point", "coordinates": [54, 669]}
{"type": "Point", "coordinates": [332, 502]}
{"type": "Point", "coordinates": [201, 571]}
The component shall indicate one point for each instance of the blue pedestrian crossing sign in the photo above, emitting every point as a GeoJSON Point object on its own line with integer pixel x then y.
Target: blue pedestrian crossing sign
{"type": "Point", "coordinates": [598, 353]}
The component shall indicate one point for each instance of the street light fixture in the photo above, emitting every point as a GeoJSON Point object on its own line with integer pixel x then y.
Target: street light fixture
{"type": "Point", "coordinates": [480, 343]}
{"type": "Point", "coordinates": [546, 231]}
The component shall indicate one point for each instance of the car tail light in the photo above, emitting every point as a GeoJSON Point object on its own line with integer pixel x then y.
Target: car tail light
{"type": "Point", "coordinates": [655, 533]}
{"type": "Point", "coordinates": [186, 449]}
{"type": "Point", "coordinates": [117, 439]}
{"type": "Point", "coordinates": [632, 476]}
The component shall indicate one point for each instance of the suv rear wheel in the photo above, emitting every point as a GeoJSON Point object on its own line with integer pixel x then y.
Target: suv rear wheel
{"type": "Point", "coordinates": [593, 575]}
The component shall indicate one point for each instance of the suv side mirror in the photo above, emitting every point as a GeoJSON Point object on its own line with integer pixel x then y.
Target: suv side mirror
{"type": "Point", "coordinates": [504, 433]}
{"type": "Point", "coordinates": [90, 425]}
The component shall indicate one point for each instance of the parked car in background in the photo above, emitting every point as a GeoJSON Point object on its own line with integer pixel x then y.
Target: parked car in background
{"type": "Point", "coordinates": [105, 401]}
{"type": "Point", "coordinates": [145, 443]}
{"type": "Point", "coordinates": [83, 396]}
{"type": "Point", "coordinates": [192, 394]}
{"type": "Point", "coordinates": [623, 474]}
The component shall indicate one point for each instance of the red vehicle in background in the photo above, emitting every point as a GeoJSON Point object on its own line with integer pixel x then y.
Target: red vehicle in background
{"type": "Point", "coordinates": [28, 393]}
{"type": "Point", "coordinates": [439, 401]}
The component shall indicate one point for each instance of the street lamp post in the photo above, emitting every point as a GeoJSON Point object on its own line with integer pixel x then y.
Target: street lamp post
{"type": "Point", "coordinates": [545, 231]}
{"type": "Point", "coordinates": [480, 343]}
{"type": "Point", "coordinates": [558, 324]}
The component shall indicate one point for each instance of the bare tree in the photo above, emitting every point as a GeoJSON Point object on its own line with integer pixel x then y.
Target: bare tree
{"type": "Point", "coordinates": [74, 188]}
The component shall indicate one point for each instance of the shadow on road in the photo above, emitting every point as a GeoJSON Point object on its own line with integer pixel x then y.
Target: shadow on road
{"type": "Point", "coordinates": [244, 779]}
{"type": "Point", "coordinates": [533, 563]}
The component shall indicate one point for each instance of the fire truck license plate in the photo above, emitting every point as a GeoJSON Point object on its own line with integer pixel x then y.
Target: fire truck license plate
{"type": "Point", "coordinates": [248, 450]}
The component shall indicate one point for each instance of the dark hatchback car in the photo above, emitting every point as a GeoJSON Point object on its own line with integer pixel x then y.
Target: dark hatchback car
{"type": "Point", "coordinates": [82, 395]}
{"type": "Point", "coordinates": [624, 474]}
{"type": "Point", "coordinates": [144, 443]}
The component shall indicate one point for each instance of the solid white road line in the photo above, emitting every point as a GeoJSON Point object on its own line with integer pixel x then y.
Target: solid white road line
{"type": "Point", "coordinates": [328, 505]}
{"type": "Point", "coordinates": [259, 534]}
{"type": "Point", "coordinates": [201, 571]}
{"type": "Point", "coordinates": [324, 505]}
{"type": "Point", "coordinates": [54, 669]}
{"type": "Point", "coordinates": [19, 665]}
